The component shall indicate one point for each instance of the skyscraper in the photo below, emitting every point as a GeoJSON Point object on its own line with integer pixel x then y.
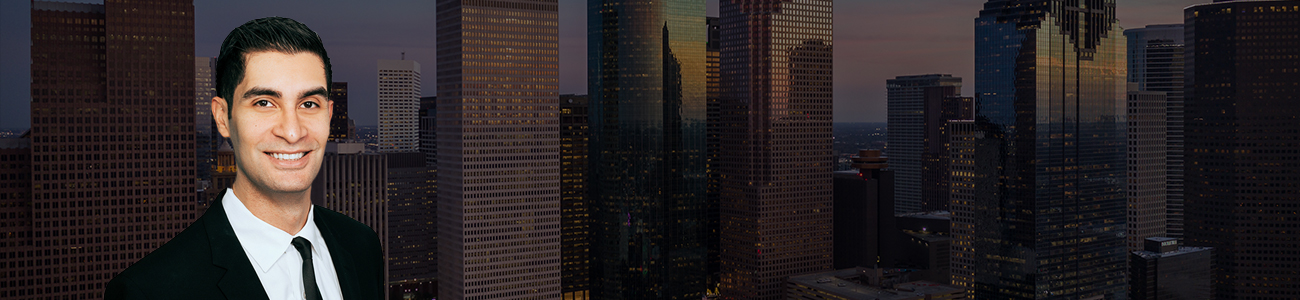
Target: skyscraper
{"type": "Point", "coordinates": [1155, 64]}
{"type": "Point", "coordinates": [1146, 166]}
{"type": "Point", "coordinates": [399, 105]}
{"type": "Point", "coordinates": [112, 141]}
{"type": "Point", "coordinates": [777, 190]}
{"type": "Point", "coordinates": [574, 209]}
{"type": "Point", "coordinates": [919, 109]}
{"type": "Point", "coordinates": [713, 146]}
{"type": "Point", "coordinates": [412, 222]}
{"type": "Point", "coordinates": [1242, 136]}
{"type": "Point", "coordinates": [339, 130]}
{"type": "Point", "coordinates": [647, 89]}
{"type": "Point", "coordinates": [498, 129]}
{"type": "Point", "coordinates": [429, 131]}
{"type": "Point", "coordinates": [207, 139]}
{"type": "Point", "coordinates": [1038, 204]}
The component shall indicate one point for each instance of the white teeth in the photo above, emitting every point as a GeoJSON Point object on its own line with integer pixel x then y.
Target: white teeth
{"type": "Point", "coordinates": [293, 156]}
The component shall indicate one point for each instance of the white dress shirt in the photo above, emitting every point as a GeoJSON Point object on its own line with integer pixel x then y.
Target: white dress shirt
{"type": "Point", "coordinates": [278, 264]}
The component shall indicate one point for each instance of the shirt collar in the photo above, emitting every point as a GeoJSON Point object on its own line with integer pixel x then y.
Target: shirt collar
{"type": "Point", "coordinates": [264, 243]}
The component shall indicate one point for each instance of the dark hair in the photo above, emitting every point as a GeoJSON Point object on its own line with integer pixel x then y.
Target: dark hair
{"type": "Point", "coordinates": [265, 34]}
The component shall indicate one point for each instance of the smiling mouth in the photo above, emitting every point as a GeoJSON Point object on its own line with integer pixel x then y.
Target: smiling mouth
{"type": "Point", "coordinates": [289, 156]}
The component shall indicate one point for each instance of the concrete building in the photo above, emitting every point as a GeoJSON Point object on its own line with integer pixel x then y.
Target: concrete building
{"type": "Point", "coordinates": [498, 155]}
{"type": "Point", "coordinates": [355, 183]}
{"type": "Point", "coordinates": [1155, 64]}
{"type": "Point", "coordinates": [1038, 202]}
{"type": "Point", "coordinates": [1147, 150]}
{"type": "Point", "coordinates": [860, 283]}
{"type": "Point", "coordinates": [777, 188]}
{"type": "Point", "coordinates": [113, 156]}
{"type": "Point", "coordinates": [917, 142]}
{"type": "Point", "coordinates": [1164, 270]}
{"type": "Point", "coordinates": [399, 105]}
{"type": "Point", "coordinates": [1242, 162]}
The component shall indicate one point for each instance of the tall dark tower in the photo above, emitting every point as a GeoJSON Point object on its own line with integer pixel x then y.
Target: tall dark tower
{"type": "Point", "coordinates": [713, 146]}
{"type": "Point", "coordinates": [1242, 135]}
{"type": "Point", "coordinates": [777, 186]}
{"type": "Point", "coordinates": [112, 139]}
{"type": "Point", "coordinates": [1038, 204]}
{"type": "Point", "coordinates": [648, 175]}
{"type": "Point", "coordinates": [339, 122]}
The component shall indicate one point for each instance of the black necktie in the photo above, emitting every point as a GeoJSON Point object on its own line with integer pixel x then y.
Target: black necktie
{"type": "Point", "coordinates": [308, 273]}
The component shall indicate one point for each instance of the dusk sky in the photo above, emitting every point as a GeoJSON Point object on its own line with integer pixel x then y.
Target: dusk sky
{"type": "Point", "coordinates": [874, 40]}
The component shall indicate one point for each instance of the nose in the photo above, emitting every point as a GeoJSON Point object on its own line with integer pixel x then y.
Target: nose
{"type": "Point", "coordinates": [290, 128]}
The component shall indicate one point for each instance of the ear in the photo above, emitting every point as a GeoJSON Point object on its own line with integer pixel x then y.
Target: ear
{"type": "Point", "coordinates": [220, 115]}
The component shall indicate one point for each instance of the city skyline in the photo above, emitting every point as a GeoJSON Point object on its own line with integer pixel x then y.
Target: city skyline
{"type": "Point", "coordinates": [901, 38]}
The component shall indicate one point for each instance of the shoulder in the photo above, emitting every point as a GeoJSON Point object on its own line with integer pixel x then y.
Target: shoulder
{"type": "Point", "coordinates": [181, 262]}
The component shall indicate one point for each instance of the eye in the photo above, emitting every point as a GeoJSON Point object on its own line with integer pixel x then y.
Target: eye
{"type": "Point", "coordinates": [310, 104]}
{"type": "Point", "coordinates": [263, 103]}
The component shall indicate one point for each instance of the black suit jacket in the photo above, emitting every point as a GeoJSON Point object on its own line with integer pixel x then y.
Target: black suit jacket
{"type": "Point", "coordinates": [206, 261]}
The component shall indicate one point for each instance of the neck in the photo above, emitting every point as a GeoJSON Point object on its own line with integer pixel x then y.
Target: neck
{"type": "Point", "coordinates": [286, 211]}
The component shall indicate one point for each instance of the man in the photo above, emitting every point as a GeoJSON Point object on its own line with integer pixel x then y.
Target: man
{"type": "Point", "coordinates": [263, 239]}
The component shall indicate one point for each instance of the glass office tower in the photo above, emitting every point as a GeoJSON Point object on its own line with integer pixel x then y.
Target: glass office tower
{"type": "Point", "coordinates": [1045, 217]}
{"type": "Point", "coordinates": [646, 65]}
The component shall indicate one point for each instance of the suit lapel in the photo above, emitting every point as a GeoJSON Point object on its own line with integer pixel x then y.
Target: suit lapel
{"type": "Point", "coordinates": [240, 280]}
{"type": "Point", "coordinates": [338, 254]}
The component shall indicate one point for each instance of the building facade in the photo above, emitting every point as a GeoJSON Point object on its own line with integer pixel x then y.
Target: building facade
{"type": "Point", "coordinates": [864, 214]}
{"type": "Point", "coordinates": [919, 109]}
{"type": "Point", "coordinates": [207, 138]}
{"type": "Point", "coordinates": [1242, 171]}
{"type": "Point", "coordinates": [113, 156]}
{"type": "Point", "coordinates": [339, 129]}
{"type": "Point", "coordinates": [713, 146]}
{"type": "Point", "coordinates": [1155, 64]}
{"type": "Point", "coordinates": [1147, 151]}
{"type": "Point", "coordinates": [399, 105]}
{"type": "Point", "coordinates": [498, 127]}
{"type": "Point", "coordinates": [776, 205]}
{"type": "Point", "coordinates": [412, 224]}
{"type": "Point", "coordinates": [1163, 270]}
{"type": "Point", "coordinates": [574, 209]}
{"type": "Point", "coordinates": [1038, 204]}
{"type": "Point", "coordinates": [647, 89]}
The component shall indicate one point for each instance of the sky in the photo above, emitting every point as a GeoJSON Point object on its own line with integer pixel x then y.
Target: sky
{"type": "Point", "coordinates": [874, 40]}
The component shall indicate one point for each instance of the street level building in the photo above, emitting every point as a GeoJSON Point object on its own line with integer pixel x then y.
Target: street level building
{"type": "Point", "coordinates": [1165, 270]}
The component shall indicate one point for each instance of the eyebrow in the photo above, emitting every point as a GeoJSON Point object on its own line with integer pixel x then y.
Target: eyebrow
{"type": "Point", "coordinates": [261, 91]}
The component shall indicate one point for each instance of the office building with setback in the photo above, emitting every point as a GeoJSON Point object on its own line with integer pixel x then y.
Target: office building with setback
{"type": "Point", "coordinates": [112, 138]}
{"type": "Point", "coordinates": [1038, 183]}
{"type": "Point", "coordinates": [776, 216]}
{"type": "Point", "coordinates": [1155, 64]}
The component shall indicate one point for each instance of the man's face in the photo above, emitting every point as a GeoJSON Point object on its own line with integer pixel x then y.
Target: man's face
{"type": "Point", "coordinates": [279, 121]}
